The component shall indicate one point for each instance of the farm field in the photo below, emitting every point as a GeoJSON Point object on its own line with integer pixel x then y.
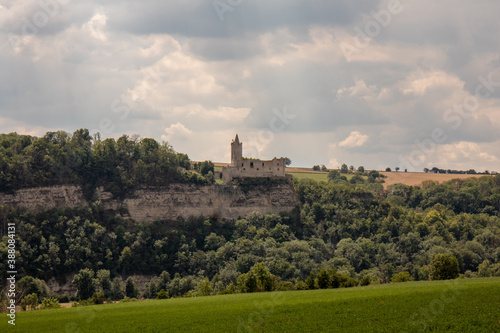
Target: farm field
{"type": "Point", "coordinates": [416, 178]}
{"type": "Point", "coordinates": [316, 176]}
{"type": "Point", "coordinates": [462, 305]}
{"type": "Point", "coordinates": [407, 178]}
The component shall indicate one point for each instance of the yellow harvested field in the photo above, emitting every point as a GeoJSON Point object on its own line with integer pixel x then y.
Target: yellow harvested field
{"type": "Point", "coordinates": [416, 178]}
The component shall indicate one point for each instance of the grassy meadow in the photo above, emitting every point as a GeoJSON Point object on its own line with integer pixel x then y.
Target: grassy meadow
{"type": "Point", "coordinates": [313, 176]}
{"type": "Point", "coordinates": [462, 305]}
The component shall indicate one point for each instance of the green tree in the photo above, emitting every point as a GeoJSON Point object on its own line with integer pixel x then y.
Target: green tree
{"type": "Point", "coordinates": [131, 289]}
{"type": "Point", "coordinates": [84, 282]}
{"type": "Point", "coordinates": [117, 292]}
{"type": "Point", "coordinates": [444, 267]}
{"type": "Point", "coordinates": [324, 279]}
{"type": "Point", "coordinates": [361, 169]}
{"type": "Point", "coordinates": [204, 288]}
{"type": "Point", "coordinates": [104, 282]}
{"type": "Point", "coordinates": [344, 168]}
{"type": "Point", "coordinates": [206, 167]}
{"type": "Point", "coordinates": [29, 285]}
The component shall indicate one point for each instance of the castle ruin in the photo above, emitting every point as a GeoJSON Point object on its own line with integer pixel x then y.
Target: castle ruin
{"type": "Point", "coordinates": [241, 167]}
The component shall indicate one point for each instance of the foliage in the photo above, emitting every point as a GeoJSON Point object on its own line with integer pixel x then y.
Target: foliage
{"type": "Point", "coordinates": [162, 294]}
{"type": "Point", "coordinates": [444, 267]}
{"type": "Point", "coordinates": [84, 282]}
{"type": "Point", "coordinates": [62, 158]}
{"type": "Point", "coordinates": [128, 300]}
{"type": "Point", "coordinates": [117, 290]}
{"type": "Point", "coordinates": [344, 168]}
{"type": "Point", "coordinates": [49, 303]}
{"type": "Point", "coordinates": [29, 302]}
{"type": "Point", "coordinates": [98, 298]}
{"type": "Point", "coordinates": [29, 286]}
{"type": "Point", "coordinates": [357, 230]}
{"type": "Point", "coordinates": [131, 289]}
{"type": "Point", "coordinates": [401, 277]}
{"type": "Point", "coordinates": [206, 167]}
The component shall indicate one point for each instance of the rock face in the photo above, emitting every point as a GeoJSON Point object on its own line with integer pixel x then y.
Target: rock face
{"type": "Point", "coordinates": [45, 198]}
{"type": "Point", "coordinates": [167, 203]}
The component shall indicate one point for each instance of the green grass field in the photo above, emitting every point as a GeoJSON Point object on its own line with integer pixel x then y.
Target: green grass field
{"type": "Point", "coordinates": [463, 305]}
{"type": "Point", "coordinates": [314, 176]}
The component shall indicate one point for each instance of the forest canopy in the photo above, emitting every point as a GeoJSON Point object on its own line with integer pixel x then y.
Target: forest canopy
{"type": "Point", "coordinates": [81, 159]}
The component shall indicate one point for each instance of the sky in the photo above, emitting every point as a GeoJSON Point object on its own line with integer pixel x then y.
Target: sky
{"type": "Point", "coordinates": [409, 84]}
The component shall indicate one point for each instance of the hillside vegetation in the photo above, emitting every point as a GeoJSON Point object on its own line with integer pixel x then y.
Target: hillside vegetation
{"type": "Point", "coordinates": [62, 158]}
{"type": "Point", "coordinates": [340, 234]}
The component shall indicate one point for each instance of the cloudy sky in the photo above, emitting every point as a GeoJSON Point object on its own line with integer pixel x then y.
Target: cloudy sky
{"type": "Point", "coordinates": [403, 83]}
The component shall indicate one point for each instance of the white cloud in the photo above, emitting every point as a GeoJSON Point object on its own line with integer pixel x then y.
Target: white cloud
{"type": "Point", "coordinates": [96, 26]}
{"type": "Point", "coordinates": [176, 131]}
{"type": "Point", "coordinates": [419, 82]}
{"type": "Point", "coordinates": [355, 139]}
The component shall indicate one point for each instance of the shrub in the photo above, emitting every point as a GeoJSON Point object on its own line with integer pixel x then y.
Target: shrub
{"type": "Point", "coordinates": [285, 286]}
{"type": "Point", "coordinates": [300, 285]}
{"type": "Point", "coordinates": [401, 277]}
{"type": "Point", "coordinates": [50, 303]}
{"type": "Point", "coordinates": [162, 294]}
{"type": "Point", "coordinates": [63, 298]}
{"type": "Point", "coordinates": [29, 302]}
{"type": "Point", "coordinates": [229, 290]}
{"type": "Point", "coordinates": [365, 281]}
{"type": "Point", "coordinates": [98, 298]}
{"type": "Point", "coordinates": [128, 299]}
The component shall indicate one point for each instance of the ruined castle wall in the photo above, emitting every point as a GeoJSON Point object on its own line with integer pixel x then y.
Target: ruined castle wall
{"type": "Point", "coordinates": [255, 169]}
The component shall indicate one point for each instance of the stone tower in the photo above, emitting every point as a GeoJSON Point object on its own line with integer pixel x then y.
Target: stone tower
{"type": "Point", "coordinates": [236, 151]}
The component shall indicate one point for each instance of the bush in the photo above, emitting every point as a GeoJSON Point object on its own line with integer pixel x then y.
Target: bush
{"type": "Point", "coordinates": [300, 285]}
{"type": "Point", "coordinates": [401, 277]}
{"type": "Point", "coordinates": [444, 267]}
{"type": "Point", "coordinates": [285, 286]}
{"type": "Point", "coordinates": [365, 281]}
{"type": "Point", "coordinates": [50, 303]}
{"type": "Point", "coordinates": [98, 298]}
{"type": "Point", "coordinates": [29, 302]}
{"type": "Point", "coordinates": [63, 298]}
{"type": "Point", "coordinates": [229, 290]}
{"type": "Point", "coordinates": [162, 294]}
{"type": "Point", "coordinates": [128, 299]}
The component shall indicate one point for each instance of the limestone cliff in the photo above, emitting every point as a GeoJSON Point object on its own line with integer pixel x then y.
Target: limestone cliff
{"type": "Point", "coordinates": [167, 203]}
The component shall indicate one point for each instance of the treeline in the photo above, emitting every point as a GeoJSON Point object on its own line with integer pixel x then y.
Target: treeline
{"type": "Point", "coordinates": [78, 158]}
{"type": "Point", "coordinates": [363, 233]}
{"type": "Point", "coordinates": [459, 172]}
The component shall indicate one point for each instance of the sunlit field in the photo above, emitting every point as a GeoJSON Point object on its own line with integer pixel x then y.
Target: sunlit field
{"type": "Point", "coordinates": [462, 305]}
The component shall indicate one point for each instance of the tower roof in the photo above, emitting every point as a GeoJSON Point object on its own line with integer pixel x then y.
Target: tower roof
{"type": "Point", "coordinates": [236, 139]}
